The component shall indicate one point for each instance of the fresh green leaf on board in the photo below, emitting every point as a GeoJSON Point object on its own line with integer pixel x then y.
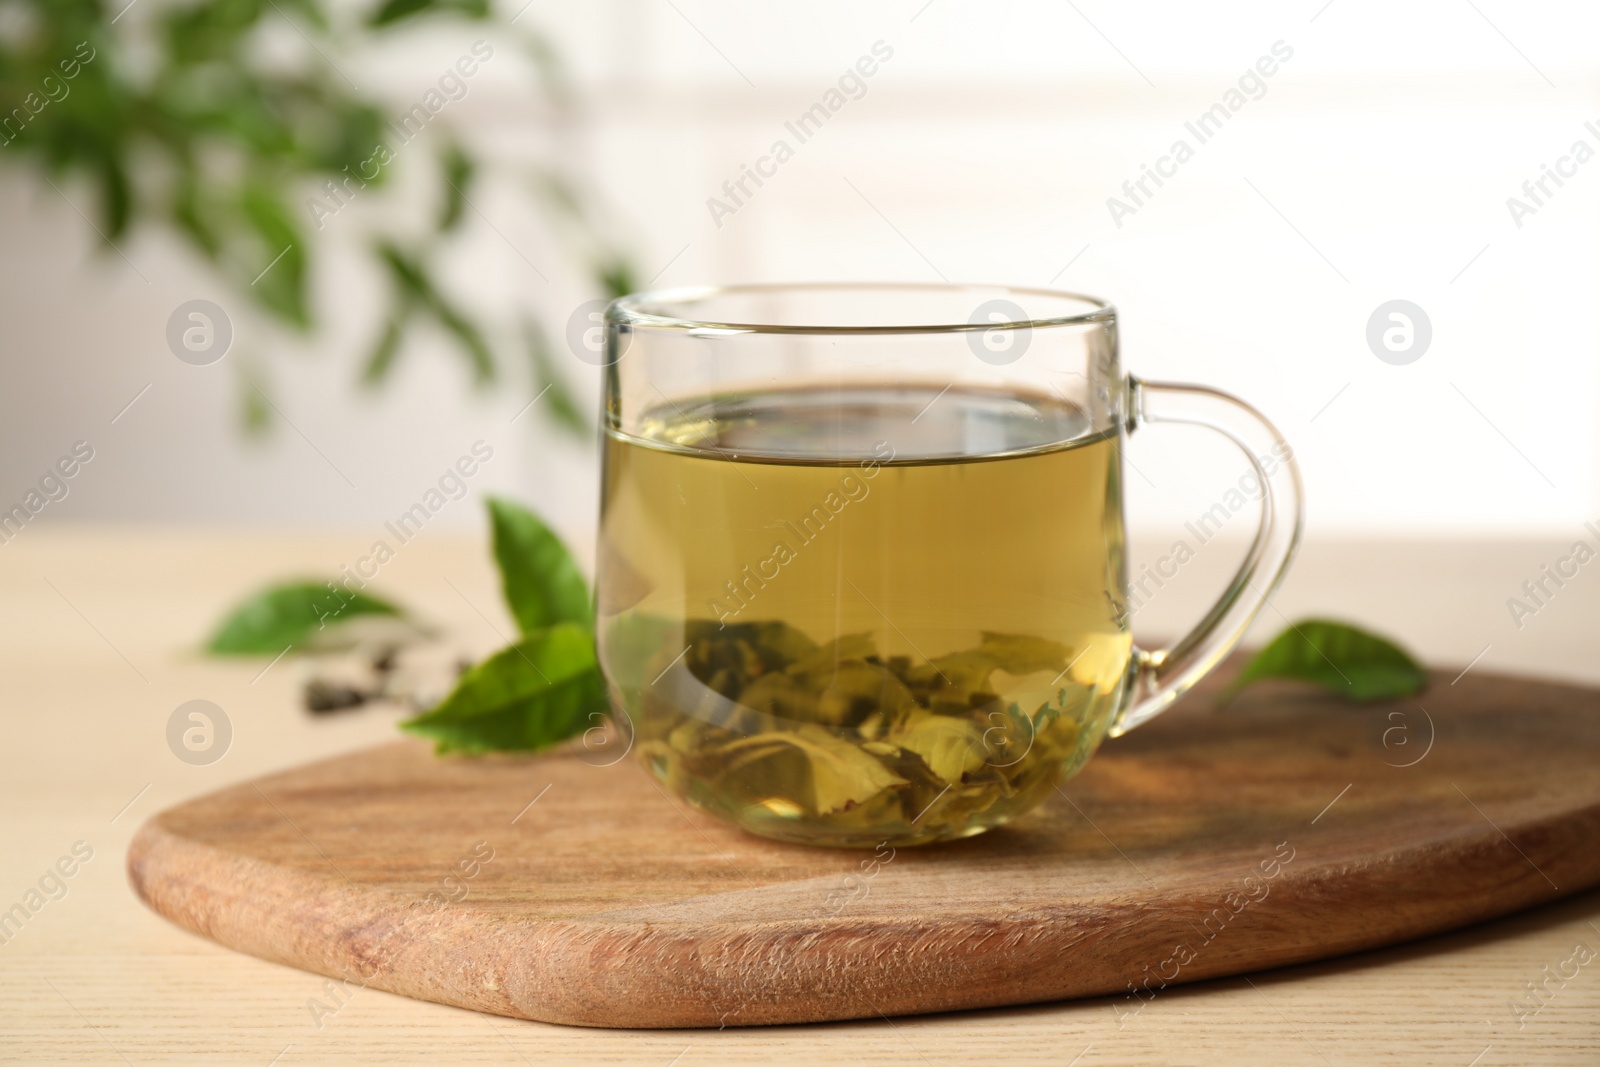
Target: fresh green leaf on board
{"type": "Point", "coordinates": [530, 695]}
{"type": "Point", "coordinates": [290, 614]}
{"type": "Point", "coordinates": [1344, 659]}
{"type": "Point", "coordinates": [541, 581]}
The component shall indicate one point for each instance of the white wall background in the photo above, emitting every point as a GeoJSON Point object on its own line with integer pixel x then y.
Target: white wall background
{"type": "Point", "coordinates": [1376, 166]}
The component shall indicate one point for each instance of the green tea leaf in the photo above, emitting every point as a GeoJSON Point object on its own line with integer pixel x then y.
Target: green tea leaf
{"type": "Point", "coordinates": [255, 410]}
{"type": "Point", "coordinates": [1345, 659]}
{"type": "Point", "coordinates": [311, 11]}
{"type": "Point", "coordinates": [392, 11]}
{"type": "Point", "coordinates": [281, 283]}
{"type": "Point", "coordinates": [842, 774]}
{"type": "Point", "coordinates": [541, 582]}
{"type": "Point", "coordinates": [530, 695]}
{"type": "Point", "coordinates": [182, 127]}
{"type": "Point", "coordinates": [415, 285]}
{"type": "Point", "coordinates": [468, 336]}
{"type": "Point", "coordinates": [528, 725]}
{"type": "Point", "coordinates": [193, 210]}
{"type": "Point", "coordinates": [961, 673]}
{"type": "Point", "coordinates": [1025, 654]}
{"type": "Point", "coordinates": [116, 197]}
{"type": "Point", "coordinates": [458, 170]}
{"type": "Point", "coordinates": [290, 614]}
{"type": "Point", "coordinates": [773, 645]}
{"type": "Point", "coordinates": [634, 645]}
{"type": "Point", "coordinates": [816, 659]}
{"type": "Point", "coordinates": [617, 278]}
{"type": "Point", "coordinates": [558, 399]}
{"type": "Point", "coordinates": [388, 347]}
{"type": "Point", "coordinates": [395, 10]}
{"type": "Point", "coordinates": [407, 274]}
{"type": "Point", "coordinates": [949, 746]}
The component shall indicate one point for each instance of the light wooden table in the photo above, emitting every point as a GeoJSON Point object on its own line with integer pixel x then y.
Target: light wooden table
{"type": "Point", "coordinates": [97, 631]}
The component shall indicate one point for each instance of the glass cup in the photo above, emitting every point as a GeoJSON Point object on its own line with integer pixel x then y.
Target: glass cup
{"type": "Point", "coordinates": [862, 574]}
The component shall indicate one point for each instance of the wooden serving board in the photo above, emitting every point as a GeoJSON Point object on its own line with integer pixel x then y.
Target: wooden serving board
{"type": "Point", "coordinates": [1282, 828]}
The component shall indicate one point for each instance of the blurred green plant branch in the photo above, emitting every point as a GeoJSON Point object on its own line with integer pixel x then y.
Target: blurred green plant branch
{"type": "Point", "coordinates": [184, 121]}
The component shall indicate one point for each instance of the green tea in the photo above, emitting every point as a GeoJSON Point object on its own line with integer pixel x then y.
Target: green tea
{"type": "Point", "coordinates": [911, 643]}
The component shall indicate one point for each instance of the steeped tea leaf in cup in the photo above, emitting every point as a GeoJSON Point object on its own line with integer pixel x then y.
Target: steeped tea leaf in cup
{"type": "Point", "coordinates": [899, 642]}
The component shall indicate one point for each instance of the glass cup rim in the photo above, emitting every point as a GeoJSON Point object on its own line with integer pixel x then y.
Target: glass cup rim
{"type": "Point", "coordinates": [633, 310]}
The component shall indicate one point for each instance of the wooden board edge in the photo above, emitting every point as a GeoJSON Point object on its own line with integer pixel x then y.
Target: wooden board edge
{"type": "Point", "coordinates": [562, 971]}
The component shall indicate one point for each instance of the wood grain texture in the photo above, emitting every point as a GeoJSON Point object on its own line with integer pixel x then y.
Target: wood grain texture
{"type": "Point", "coordinates": [98, 978]}
{"type": "Point", "coordinates": [1284, 828]}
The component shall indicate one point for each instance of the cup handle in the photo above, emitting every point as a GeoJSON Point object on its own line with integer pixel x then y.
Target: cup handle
{"type": "Point", "coordinates": [1161, 676]}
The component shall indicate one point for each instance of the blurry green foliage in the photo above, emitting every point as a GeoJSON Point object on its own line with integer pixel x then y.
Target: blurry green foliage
{"type": "Point", "coordinates": [217, 119]}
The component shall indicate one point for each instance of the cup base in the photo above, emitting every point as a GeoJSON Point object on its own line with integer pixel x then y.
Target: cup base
{"type": "Point", "coordinates": [779, 820]}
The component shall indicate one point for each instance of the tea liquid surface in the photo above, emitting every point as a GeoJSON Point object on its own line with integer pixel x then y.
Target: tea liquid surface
{"type": "Point", "coordinates": [877, 614]}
